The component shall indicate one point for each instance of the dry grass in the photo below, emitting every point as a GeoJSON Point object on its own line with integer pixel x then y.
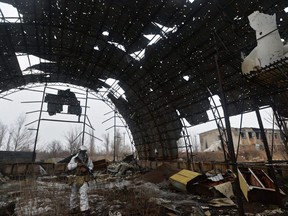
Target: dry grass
{"type": "Point", "coordinates": [51, 197]}
{"type": "Point", "coordinates": [42, 198]}
{"type": "Point", "coordinates": [246, 154]}
{"type": "Point", "coordinates": [128, 202]}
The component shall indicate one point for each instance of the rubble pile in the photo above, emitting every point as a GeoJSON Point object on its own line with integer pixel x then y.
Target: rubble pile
{"type": "Point", "coordinates": [124, 188]}
{"type": "Point", "coordinates": [160, 174]}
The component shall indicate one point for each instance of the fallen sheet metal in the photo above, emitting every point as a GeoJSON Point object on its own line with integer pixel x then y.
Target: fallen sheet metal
{"type": "Point", "coordinates": [185, 179]}
{"type": "Point", "coordinates": [225, 189]}
{"type": "Point", "coordinates": [257, 186]}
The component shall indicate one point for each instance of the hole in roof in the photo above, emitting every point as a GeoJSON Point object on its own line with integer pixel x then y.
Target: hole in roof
{"type": "Point", "coordinates": [186, 78]}
{"type": "Point", "coordinates": [9, 13]}
{"type": "Point", "coordinates": [237, 18]}
{"type": "Point", "coordinates": [153, 38]}
{"type": "Point", "coordinates": [25, 61]}
{"type": "Point", "coordinates": [119, 46]}
{"type": "Point", "coordinates": [215, 103]}
{"type": "Point", "coordinates": [96, 48]}
{"type": "Point", "coordinates": [166, 29]}
{"type": "Point", "coordinates": [138, 55]}
{"type": "Point", "coordinates": [105, 33]}
{"type": "Point", "coordinates": [286, 9]}
{"type": "Point", "coordinates": [115, 89]}
{"type": "Point", "coordinates": [190, 1]}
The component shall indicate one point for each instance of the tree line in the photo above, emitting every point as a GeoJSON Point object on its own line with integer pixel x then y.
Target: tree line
{"type": "Point", "coordinates": [17, 137]}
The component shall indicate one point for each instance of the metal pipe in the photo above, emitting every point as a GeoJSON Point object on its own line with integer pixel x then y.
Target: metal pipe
{"type": "Point", "coordinates": [114, 135]}
{"type": "Point", "coordinates": [85, 113]}
{"type": "Point", "coordinates": [269, 157]}
{"type": "Point", "coordinates": [38, 125]}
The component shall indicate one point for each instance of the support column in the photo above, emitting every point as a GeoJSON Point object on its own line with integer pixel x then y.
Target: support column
{"type": "Point", "coordinates": [269, 157]}
{"type": "Point", "coordinates": [38, 125]}
{"type": "Point", "coordinates": [238, 193]}
{"type": "Point", "coordinates": [85, 115]}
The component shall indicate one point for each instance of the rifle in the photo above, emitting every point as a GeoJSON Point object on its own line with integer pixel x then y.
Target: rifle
{"type": "Point", "coordinates": [90, 172]}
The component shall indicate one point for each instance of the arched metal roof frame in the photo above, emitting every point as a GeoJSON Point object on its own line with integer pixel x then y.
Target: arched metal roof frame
{"type": "Point", "coordinates": [70, 35]}
{"type": "Point", "coordinates": [4, 95]}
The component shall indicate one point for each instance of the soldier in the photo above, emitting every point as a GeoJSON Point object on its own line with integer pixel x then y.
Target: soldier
{"type": "Point", "coordinates": [81, 167]}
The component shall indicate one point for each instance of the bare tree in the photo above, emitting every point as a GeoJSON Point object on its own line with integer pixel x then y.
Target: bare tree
{"type": "Point", "coordinates": [21, 137]}
{"type": "Point", "coordinates": [125, 149]}
{"type": "Point", "coordinates": [92, 143]}
{"type": "Point", "coordinates": [73, 140]}
{"type": "Point", "coordinates": [117, 145]}
{"type": "Point", "coordinates": [54, 148]}
{"type": "Point", "coordinates": [106, 143]}
{"type": "Point", "coordinates": [8, 147]}
{"type": "Point", "coordinates": [3, 131]}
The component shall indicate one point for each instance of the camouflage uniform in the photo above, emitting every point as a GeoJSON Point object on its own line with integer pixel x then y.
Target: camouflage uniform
{"type": "Point", "coordinates": [79, 181]}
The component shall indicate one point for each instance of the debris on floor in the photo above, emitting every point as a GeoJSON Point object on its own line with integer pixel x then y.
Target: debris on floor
{"type": "Point", "coordinates": [139, 192]}
{"type": "Point", "coordinates": [257, 186]}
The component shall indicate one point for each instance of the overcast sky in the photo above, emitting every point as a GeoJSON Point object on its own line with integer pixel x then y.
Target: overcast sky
{"type": "Point", "coordinates": [98, 112]}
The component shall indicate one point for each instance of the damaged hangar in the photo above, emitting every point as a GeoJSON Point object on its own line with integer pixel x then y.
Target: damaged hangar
{"type": "Point", "coordinates": [197, 53]}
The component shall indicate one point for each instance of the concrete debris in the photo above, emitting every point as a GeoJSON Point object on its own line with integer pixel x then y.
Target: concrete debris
{"type": "Point", "coordinates": [270, 212]}
{"type": "Point", "coordinates": [216, 146]}
{"type": "Point", "coordinates": [122, 168]}
{"type": "Point", "coordinates": [127, 166]}
{"type": "Point", "coordinates": [220, 202]}
{"type": "Point", "coordinates": [217, 177]}
{"type": "Point", "coordinates": [3, 179]}
{"type": "Point", "coordinates": [159, 201]}
{"type": "Point", "coordinates": [7, 208]}
{"type": "Point", "coordinates": [115, 213]}
{"type": "Point", "coordinates": [118, 193]}
{"type": "Point", "coordinates": [207, 213]}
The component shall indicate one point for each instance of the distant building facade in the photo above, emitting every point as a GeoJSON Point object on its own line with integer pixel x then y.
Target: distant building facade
{"type": "Point", "coordinates": [248, 136]}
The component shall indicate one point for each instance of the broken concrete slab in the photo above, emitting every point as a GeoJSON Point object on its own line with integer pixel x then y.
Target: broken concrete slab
{"type": "Point", "coordinates": [221, 202]}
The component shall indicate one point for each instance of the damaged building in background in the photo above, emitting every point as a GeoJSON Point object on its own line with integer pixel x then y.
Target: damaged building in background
{"type": "Point", "coordinates": [210, 140]}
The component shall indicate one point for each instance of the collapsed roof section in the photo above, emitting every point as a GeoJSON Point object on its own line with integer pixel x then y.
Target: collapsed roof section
{"type": "Point", "coordinates": [163, 53]}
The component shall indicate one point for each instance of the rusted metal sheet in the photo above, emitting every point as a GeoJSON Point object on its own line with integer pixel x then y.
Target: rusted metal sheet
{"type": "Point", "coordinates": [20, 169]}
{"type": "Point", "coordinates": [49, 168]}
{"type": "Point", "coordinates": [185, 179]}
{"type": "Point", "coordinates": [257, 186]}
{"type": "Point", "coordinates": [15, 157]}
{"type": "Point", "coordinates": [7, 169]}
{"type": "Point", "coordinates": [100, 164]}
{"type": "Point", "coordinates": [60, 168]}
